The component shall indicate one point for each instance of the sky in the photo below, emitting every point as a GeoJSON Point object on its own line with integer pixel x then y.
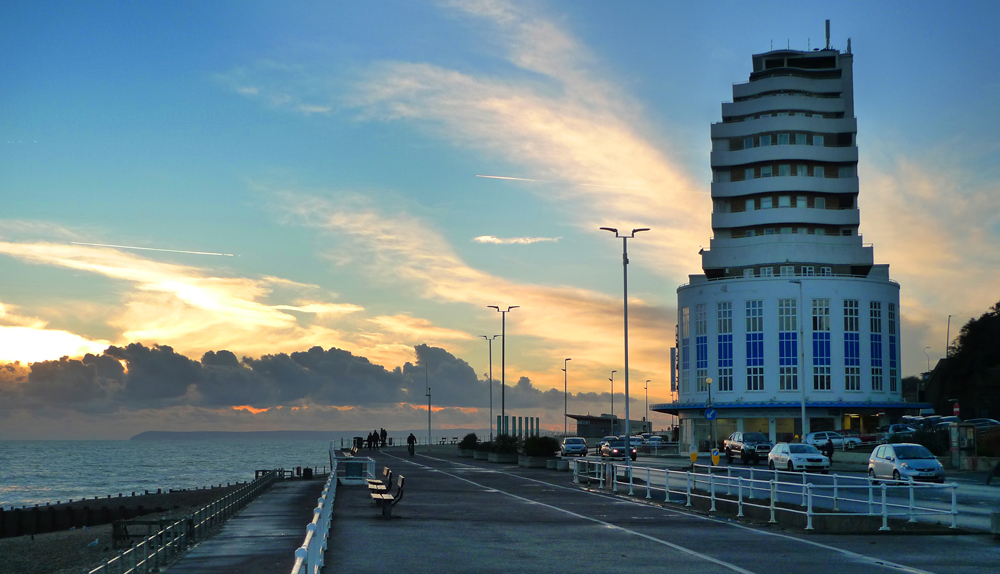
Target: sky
{"type": "Point", "coordinates": [261, 215]}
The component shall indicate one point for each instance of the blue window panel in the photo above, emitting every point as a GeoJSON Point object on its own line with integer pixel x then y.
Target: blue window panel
{"type": "Point", "coordinates": [876, 348]}
{"type": "Point", "coordinates": [852, 350]}
{"type": "Point", "coordinates": [821, 349]}
{"type": "Point", "coordinates": [725, 351]}
{"type": "Point", "coordinates": [788, 350]}
{"type": "Point", "coordinates": [892, 351]}
{"type": "Point", "coordinates": [755, 349]}
{"type": "Point", "coordinates": [701, 352]}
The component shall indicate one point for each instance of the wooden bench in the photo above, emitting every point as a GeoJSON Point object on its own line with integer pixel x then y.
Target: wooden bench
{"type": "Point", "coordinates": [381, 485]}
{"type": "Point", "coordinates": [387, 500]}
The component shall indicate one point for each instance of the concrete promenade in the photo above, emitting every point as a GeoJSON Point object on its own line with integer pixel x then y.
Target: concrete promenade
{"type": "Point", "coordinates": [462, 515]}
{"type": "Point", "coordinates": [262, 538]}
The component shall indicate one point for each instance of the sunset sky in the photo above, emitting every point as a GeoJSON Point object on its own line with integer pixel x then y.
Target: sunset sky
{"type": "Point", "coordinates": [305, 175]}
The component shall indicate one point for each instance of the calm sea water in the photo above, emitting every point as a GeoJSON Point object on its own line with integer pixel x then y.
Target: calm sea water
{"type": "Point", "coordinates": [36, 472]}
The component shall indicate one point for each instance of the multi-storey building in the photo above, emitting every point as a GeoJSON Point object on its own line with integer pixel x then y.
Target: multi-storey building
{"type": "Point", "coordinates": [791, 327]}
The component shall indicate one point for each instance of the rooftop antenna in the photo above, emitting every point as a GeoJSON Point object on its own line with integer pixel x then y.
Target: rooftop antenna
{"type": "Point", "coordinates": [848, 45]}
{"type": "Point", "coordinates": [827, 35]}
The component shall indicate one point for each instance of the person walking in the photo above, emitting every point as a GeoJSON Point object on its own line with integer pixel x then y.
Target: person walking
{"type": "Point", "coordinates": [382, 435]}
{"type": "Point", "coordinates": [828, 450]}
{"type": "Point", "coordinates": [411, 443]}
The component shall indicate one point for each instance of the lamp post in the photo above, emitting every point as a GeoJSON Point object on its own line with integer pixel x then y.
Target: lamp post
{"type": "Point", "coordinates": [646, 418]}
{"type": "Point", "coordinates": [503, 368]}
{"type": "Point", "coordinates": [802, 362]}
{"type": "Point", "coordinates": [928, 359]}
{"type": "Point", "coordinates": [427, 386]}
{"type": "Point", "coordinates": [612, 379]}
{"type": "Point", "coordinates": [947, 336]}
{"type": "Point", "coordinates": [711, 429]}
{"type": "Point", "coordinates": [490, 341]}
{"type": "Point", "coordinates": [565, 400]}
{"type": "Point", "coordinates": [628, 433]}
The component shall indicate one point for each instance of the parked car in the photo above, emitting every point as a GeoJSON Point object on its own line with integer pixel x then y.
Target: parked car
{"type": "Point", "coordinates": [794, 457]}
{"type": "Point", "coordinates": [615, 448]}
{"type": "Point", "coordinates": [884, 433]}
{"type": "Point", "coordinates": [839, 441]}
{"type": "Point", "coordinates": [750, 447]}
{"type": "Point", "coordinates": [903, 461]}
{"type": "Point", "coordinates": [656, 441]}
{"type": "Point", "coordinates": [984, 423]}
{"type": "Point", "coordinates": [573, 445]}
{"type": "Point", "coordinates": [863, 437]}
{"type": "Point", "coordinates": [635, 441]}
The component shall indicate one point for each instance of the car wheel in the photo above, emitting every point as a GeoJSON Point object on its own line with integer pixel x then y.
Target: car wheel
{"type": "Point", "coordinates": [770, 464]}
{"type": "Point", "coordinates": [791, 468]}
{"type": "Point", "coordinates": [895, 475]}
{"type": "Point", "coordinates": [729, 456]}
{"type": "Point", "coordinates": [871, 475]}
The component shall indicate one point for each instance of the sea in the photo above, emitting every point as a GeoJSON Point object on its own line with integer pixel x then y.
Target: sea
{"type": "Point", "coordinates": [41, 471]}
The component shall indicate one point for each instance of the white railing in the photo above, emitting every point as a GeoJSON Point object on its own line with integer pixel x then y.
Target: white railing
{"type": "Point", "coordinates": [351, 469]}
{"type": "Point", "coordinates": [157, 550]}
{"type": "Point", "coordinates": [309, 557]}
{"type": "Point", "coordinates": [845, 496]}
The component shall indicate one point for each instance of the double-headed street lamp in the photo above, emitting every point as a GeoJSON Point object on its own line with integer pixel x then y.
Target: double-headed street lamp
{"type": "Point", "coordinates": [802, 361]}
{"type": "Point", "coordinates": [646, 418]}
{"type": "Point", "coordinates": [490, 341]}
{"type": "Point", "coordinates": [612, 379]}
{"type": "Point", "coordinates": [625, 238]}
{"type": "Point", "coordinates": [503, 353]}
{"type": "Point", "coordinates": [565, 401]}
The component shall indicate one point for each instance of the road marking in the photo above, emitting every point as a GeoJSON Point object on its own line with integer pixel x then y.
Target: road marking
{"type": "Point", "coordinates": [854, 555]}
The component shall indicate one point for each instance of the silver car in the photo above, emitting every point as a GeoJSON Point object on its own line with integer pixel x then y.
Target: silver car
{"type": "Point", "coordinates": [903, 461]}
{"type": "Point", "coordinates": [573, 445]}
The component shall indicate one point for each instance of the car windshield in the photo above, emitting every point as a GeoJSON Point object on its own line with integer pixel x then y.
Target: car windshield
{"type": "Point", "coordinates": [912, 451]}
{"type": "Point", "coordinates": [574, 441]}
{"type": "Point", "coordinates": [802, 449]}
{"type": "Point", "coordinates": [754, 437]}
{"type": "Point", "coordinates": [616, 442]}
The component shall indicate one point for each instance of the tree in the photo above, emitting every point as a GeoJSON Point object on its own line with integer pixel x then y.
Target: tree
{"type": "Point", "coordinates": [971, 375]}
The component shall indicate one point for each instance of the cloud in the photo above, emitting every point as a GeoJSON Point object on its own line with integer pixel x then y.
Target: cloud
{"type": "Point", "coordinates": [513, 240]}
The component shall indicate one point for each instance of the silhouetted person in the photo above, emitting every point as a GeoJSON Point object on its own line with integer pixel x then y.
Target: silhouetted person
{"type": "Point", "coordinates": [382, 436]}
{"type": "Point", "coordinates": [828, 450]}
{"type": "Point", "coordinates": [411, 443]}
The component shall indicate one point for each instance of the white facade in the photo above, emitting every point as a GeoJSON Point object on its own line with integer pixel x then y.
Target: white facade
{"type": "Point", "coordinates": [787, 266]}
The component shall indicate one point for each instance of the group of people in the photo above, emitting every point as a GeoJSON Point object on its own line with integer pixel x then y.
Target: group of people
{"type": "Point", "coordinates": [376, 439]}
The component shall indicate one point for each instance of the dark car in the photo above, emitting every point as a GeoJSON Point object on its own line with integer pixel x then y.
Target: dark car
{"type": "Point", "coordinates": [749, 447]}
{"type": "Point", "coordinates": [615, 448]}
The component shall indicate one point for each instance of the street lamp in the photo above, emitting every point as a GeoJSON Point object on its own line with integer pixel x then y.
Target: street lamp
{"type": "Point", "coordinates": [646, 418]}
{"type": "Point", "coordinates": [928, 359]}
{"type": "Point", "coordinates": [490, 341]}
{"type": "Point", "coordinates": [711, 429]}
{"type": "Point", "coordinates": [427, 386]}
{"type": "Point", "coordinates": [802, 362]}
{"type": "Point", "coordinates": [565, 403]}
{"type": "Point", "coordinates": [503, 354]}
{"type": "Point", "coordinates": [947, 342]}
{"type": "Point", "coordinates": [628, 433]}
{"type": "Point", "coordinates": [612, 379]}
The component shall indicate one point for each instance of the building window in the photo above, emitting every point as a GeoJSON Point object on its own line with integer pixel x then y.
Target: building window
{"type": "Point", "coordinates": [782, 139]}
{"type": "Point", "coordinates": [765, 203]}
{"type": "Point", "coordinates": [826, 271]}
{"type": "Point", "coordinates": [784, 170]}
{"type": "Point", "coordinates": [875, 322]}
{"type": "Point", "coordinates": [845, 171]}
{"type": "Point", "coordinates": [893, 365]}
{"type": "Point", "coordinates": [800, 139]}
{"type": "Point", "coordinates": [818, 141]}
{"type": "Point", "coordinates": [819, 203]}
{"type": "Point", "coordinates": [748, 174]}
{"type": "Point", "coordinates": [784, 200]}
{"type": "Point", "coordinates": [818, 171]}
{"type": "Point", "coordinates": [725, 344]}
{"type": "Point", "coordinates": [801, 170]}
{"type": "Point", "coordinates": [747, 143]}
{"type": "Point", "coordinates": [701, 346]}
{"type": "Point", "coordinates": [787, 270]}
{"type": "Point", "coordinates": [748, 273]}
{"type": "Point", "coordinates": [787, 230]}
{"type": "Point", "coordinates": [767, 271]}
{"type": "Point", "coordinates": [803, 231]}
{"type": "Point", "coordinates": [808, 270]}
{"type": "Point", "coordinates": [800, 201]}
{"type": "Point", "coordinates": [685, 349]}
{"type": "Point", "coordinates": [787, 345]}
{"type": "Point", "coordinates": [755, 344]}
{"type": "Point", "coordinates": [765, 171]}
{"type": "Point", "coordinates": [821, 344]}
{"type": "Point", "coordinates": [820, 231]}
{"type": "Point", "coordinates": [852, 347]}
{"type": "Point", "coordinates": [765, 140]}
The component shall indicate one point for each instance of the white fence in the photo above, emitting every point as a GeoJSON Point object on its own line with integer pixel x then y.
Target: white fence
{"type": "Point", "coordinates": [157, 550]}
{"type": "Point", "coordinates": [843, 496]}
{"type": "Point", "coordinates": [309, 557]}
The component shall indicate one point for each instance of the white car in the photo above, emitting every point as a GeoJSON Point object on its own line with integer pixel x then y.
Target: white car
{"type": "Point", "coordinates": [797, 457]}
{"type": "Point", "coordinates": [656, 442]}
{"type": "Point", "coordinates": [904, 461]}
{"type": "Point", "coordinates": [818, 439]}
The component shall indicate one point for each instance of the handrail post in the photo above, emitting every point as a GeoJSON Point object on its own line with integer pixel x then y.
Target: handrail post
{"type": "Point", "coordinates": [688, 489]}
{"type": "Point", "coordinates": [614, 478]}
{"type": "Point", "coordinates": [576, 472]}
{"type": "Point", "coordinates": [729, 481]}
{"type": "Point", "coordinates": [711, 488]}
{"type": "Point", "coordinates": [739, 484]}
{"type": "Point", "coordinates": [648, 472]}
{"type": "Point", "coordinates": [803, 488]}
{"type": "Point", "coordinates": [751, 483]}
{"type": "Point", "coordinates": [774, 496]}
{"type": "Point", "coordinates": [885, 510]}
{"type": "Point", "coordinates": [602, 470]}
{"type": "Point", "coordinates": [871, 496]}
{"type": "Point", "coordinates": [809, 507]}
{"type": "Point", "coordinates": [835, 508]}
{"type": "Point", "coordinates": [912, 518]}
{"type": "Point", "coordinates": [666, 485]}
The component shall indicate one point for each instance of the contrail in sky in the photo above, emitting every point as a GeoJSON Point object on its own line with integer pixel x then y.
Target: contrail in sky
{"type": "Point", "coordinates": [153, 249]}
{"type": "Point", "coordinates": [550, 181]}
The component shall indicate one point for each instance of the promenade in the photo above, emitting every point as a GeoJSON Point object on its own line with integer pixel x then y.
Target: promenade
{"type": "Point", "coordinates": [462, 515]}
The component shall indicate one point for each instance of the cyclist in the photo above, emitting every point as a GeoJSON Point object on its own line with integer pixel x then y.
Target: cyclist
{"type": "Point", "coordinates": [411, 443]}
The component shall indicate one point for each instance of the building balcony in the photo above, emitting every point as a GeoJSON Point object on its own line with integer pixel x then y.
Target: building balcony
{"type": "Point", "coordinates": [779, 153]}
{"type": "Point", "coordinates": [773, 83]}
{"type": "Point", "coordinates": [796, 123]}
{"type": "Point", "coordinates": [766, 249]}
{"type": "Point", "coordinates": [788, 184]}
{"type": "Point", "coordinates": [783, 102]}
{"type": "Point", "coordinates": [787, 216]}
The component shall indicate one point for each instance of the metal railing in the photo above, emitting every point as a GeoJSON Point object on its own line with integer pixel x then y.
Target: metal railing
{"type": "Point", "coordinates": [310, 556]}
{"type": "Point", "coordinates": [159, 549]}
{"type": "Point", "coordinates": [870, 497]}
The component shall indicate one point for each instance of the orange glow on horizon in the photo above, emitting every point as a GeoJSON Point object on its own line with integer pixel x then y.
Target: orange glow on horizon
{"type": "Point", "coordinates": [250, 409]}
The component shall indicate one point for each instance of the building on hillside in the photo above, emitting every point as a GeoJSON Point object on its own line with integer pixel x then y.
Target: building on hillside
{"type": "Point", "coordinates": [589, 426]}
{"type": "Point", "coordinates": [791, 314]}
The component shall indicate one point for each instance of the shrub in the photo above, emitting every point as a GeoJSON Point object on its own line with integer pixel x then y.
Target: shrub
{"type": "Point", "coordinates": [505, 444]}
{"type": "Point", "coordinates": [469, 441]}
{"type": "Point", "coordinates": [485, 446]}
{"type": "Point", "coordinates": [540, 446]}
{"type": "Point", "coordinates": [936, 441]}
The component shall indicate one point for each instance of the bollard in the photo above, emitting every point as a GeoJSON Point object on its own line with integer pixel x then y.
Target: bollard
{"type": "Point", "coordinates": [739, 485]}
{"type": "Point", "coordinates": [912, 518]}
{"type": "Point", "coordinates": [774, 495]}
{"type": "Point", "coordinates": [871, 497]}
{"type": "Point", "coordinates": [835, 508]}
{"type": "Point", "coordinates": [711, 488]}
{"type": "Point", "coordinates": [751, 483]}
{"type": "Point", "coordinates": [647, 482]}
{"type": "Point", "coordinates": [809, 507]}
{"type": "Point", "coordinates": [688, 489]}
{"type": "Point", "coordinates": [803, 488]}
{"type": "Point", "coordinates": [954, 505]}
{"type": "Point", "coordinates": [729, 481]}
{"type": "Point", "coordinates": [885, 510]}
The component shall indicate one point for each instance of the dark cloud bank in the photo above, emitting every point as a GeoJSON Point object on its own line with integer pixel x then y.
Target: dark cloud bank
{"type": "Point", "coordinates": [140, 377]}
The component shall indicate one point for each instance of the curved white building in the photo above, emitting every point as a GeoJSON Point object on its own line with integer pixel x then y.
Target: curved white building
{"type": "Point", "coordinates": [791, 313]}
